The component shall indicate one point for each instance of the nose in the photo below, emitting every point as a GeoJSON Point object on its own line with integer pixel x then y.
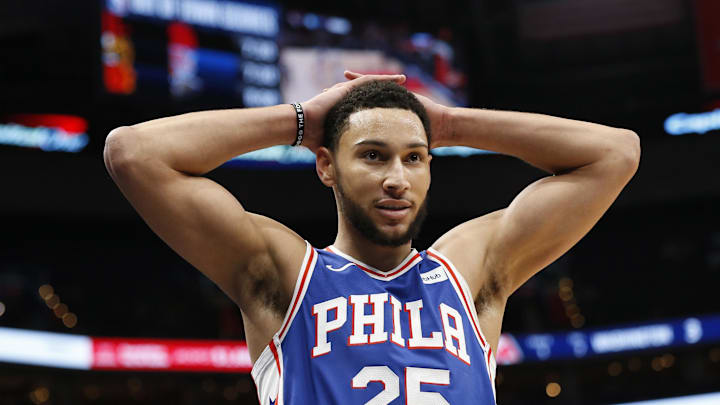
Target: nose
{"type": "Point", "coordinates": [396, 181]}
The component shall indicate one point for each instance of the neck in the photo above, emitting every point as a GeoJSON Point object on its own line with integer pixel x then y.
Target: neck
{"type": "Point", "coordinates": [382, 257]}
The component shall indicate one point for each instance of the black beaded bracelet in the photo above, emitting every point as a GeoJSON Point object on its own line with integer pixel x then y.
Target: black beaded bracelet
{"type": "Point", "coordinates": [300, 123]}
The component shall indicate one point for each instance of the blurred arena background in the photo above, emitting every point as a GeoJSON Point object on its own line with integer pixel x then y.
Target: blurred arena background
{"type": "Point", "coordinates": [95, 309]}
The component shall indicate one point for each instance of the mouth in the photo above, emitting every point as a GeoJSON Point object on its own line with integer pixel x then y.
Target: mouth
{"type": "Point", "coordinates": [393, 209]}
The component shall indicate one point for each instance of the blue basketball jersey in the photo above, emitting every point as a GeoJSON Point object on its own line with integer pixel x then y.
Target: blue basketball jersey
{"type": "Point", "coordinates": [356, 335]}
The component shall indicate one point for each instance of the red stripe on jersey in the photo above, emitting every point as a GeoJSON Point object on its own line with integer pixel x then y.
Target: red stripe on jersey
{"type": "Point", "coordinates": [394, 272]}
{"type": "Point", "coordinates": [409, 262]}
{"type": "Point", "coordinates": [273, 349]}
{"type": "Point", "coordinates": [457, 282]}
{"type": "Point", "coordinates": [299, 292]}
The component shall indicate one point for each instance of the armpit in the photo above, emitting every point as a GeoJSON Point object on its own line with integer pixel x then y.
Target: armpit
{"type": "Point", "coordinates": [260, 284]}
{"type": "Point", "coordinates": [490, 290]}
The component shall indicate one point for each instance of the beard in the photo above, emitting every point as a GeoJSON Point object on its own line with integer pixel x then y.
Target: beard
{"type": "Point", "coordinates": [361, 221]}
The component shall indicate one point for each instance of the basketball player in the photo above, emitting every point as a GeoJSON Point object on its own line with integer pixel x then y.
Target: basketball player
{"type": "Point", "coordinates": [369, 320]}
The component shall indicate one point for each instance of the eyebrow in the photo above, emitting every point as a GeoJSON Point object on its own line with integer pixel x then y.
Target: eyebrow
{"type": "Point", "coordinates": [384, 144]}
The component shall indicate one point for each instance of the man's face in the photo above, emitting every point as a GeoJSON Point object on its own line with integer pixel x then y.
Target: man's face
{"type": "Point", "coordinates": [383, 174]}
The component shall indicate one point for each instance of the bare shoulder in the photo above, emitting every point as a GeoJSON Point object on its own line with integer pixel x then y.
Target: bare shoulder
{"type": "Point", "coordinates": [285, 251]}
{"type": "Point", "coordinates": [266, 285]}
{"type": "Point", "coordinates": [466, 246]}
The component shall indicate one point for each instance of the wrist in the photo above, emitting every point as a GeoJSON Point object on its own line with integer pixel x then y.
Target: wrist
{"type": "Point", "coordinates": [282, 129]}
{"type": "Point", "coordinates": [314, 122]}
{"type": "Point", "coordinates": [299, 123]}
{"type": "Point", "coordinates": [444, 130]}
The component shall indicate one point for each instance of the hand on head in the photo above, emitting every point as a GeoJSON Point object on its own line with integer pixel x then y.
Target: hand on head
{"type": "Point", "coordinates": [317, 107]}
{"type": "Point", "coordinates": [438, 113]}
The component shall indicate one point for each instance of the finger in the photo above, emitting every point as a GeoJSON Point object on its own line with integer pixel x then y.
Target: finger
{"type": "Point", "coordinates": [355, 79]}
{"type": "Point", "coordinates": [399, 79]}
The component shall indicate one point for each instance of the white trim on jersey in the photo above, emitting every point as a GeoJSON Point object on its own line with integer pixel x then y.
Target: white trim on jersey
{"type": "Point", "coordinates": [466, 298]}
{"type": "Point", "coordinates": [408, 263]}
{"type": "Point", "coordinates": [301, 286]}
{"type": "Point", "coordinates": [266, 376]}
{"type": "Point", "coordinates": [267, 372]}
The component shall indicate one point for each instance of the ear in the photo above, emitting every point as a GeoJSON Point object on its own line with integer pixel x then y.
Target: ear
{"type": "Point", "coordinates": [325, 166]}
{"type": "Point", "coordinates": [430, 157]}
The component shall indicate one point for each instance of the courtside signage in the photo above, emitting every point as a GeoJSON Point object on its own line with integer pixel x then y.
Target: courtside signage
{"type": "Point", "coordinates": [173, 355]}
{"type": "Point", "coordinates": [91, 353]}
{"type": "Point", "coordinates": [516, 349]}
{"type": "Point", "coordinates": [47, 132]}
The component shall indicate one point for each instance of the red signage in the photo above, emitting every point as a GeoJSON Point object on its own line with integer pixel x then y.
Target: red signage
{"type": "Point", "coordinates": [170, 355]}
{"type": "Point", "coordinates": [509, 351]}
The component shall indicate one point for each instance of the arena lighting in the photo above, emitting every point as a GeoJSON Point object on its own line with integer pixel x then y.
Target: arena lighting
{"type": "Point", "coordinates": [45, 349]}
{"type": "Point", "coordinates": [703, 399]}
{"type": "Point", "coordinates": [699, 123]}
{"type": "Point", "coordinates": [553, 389]}
{"type": "Point", "coordinates": [40, 395]}
{"type": "Point", "coordinates": [311, 21]}
{"type": "Point", "coordinates": [338, 25]}
{"type": "Point", "coordinates": [45, 291]}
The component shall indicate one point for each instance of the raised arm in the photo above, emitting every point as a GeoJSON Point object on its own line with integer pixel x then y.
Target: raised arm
{"type": "Point", "coordinates": [590, 165]}
{"type": "Point", "coordinates": [158, 166]}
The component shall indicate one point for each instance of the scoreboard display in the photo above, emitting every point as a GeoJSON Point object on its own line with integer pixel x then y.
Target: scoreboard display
{"type": "Point", "coordinates": [185, 50]}
{"type": "Point", "coordinates": [155, 58]}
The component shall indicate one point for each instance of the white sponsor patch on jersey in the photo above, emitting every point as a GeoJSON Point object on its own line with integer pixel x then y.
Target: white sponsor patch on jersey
{"type": "Point", "coordinates": [433, 276]}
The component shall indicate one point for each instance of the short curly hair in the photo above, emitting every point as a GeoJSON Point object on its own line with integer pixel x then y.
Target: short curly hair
{"type": "Point", "coordinates": [375, 94]}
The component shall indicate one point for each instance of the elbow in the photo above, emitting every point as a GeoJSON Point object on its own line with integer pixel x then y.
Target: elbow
{"type": "Point", "coordinates": [633, 146]}
{"type": "Point", "coordinates": [120, 150]}
{"type": "Point", "coordinates": [628, 150]}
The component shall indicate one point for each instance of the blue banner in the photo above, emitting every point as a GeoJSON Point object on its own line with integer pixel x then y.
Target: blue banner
{"type": "Point", "coordinates": [514, 349]}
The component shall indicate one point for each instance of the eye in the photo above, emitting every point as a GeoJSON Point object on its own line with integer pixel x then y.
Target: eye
{"type": "Point", "coordinates": [414, 157]}
{"type": "Point", "coordinates": [371, 155]}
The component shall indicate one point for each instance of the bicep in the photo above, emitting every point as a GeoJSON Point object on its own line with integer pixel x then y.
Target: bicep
{"type": "Point", "coordinates": [551, 215]}
{"type": "Point", "coordinates": [201, 221]}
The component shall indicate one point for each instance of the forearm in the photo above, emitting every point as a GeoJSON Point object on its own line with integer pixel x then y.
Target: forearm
{"type": "Point", "coordinates": [198, 142]}
{"type": "Point", "coordinates": [550, 143]}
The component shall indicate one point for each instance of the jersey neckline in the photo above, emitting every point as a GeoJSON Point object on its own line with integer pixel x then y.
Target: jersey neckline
{"type": "Point", "coordinates": [412, 258]}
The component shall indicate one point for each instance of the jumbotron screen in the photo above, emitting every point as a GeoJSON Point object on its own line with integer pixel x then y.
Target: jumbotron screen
{"type": "Point", "coordinates": [226, 50]}
{"type": "Point", "coordinates": [242, 54]}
